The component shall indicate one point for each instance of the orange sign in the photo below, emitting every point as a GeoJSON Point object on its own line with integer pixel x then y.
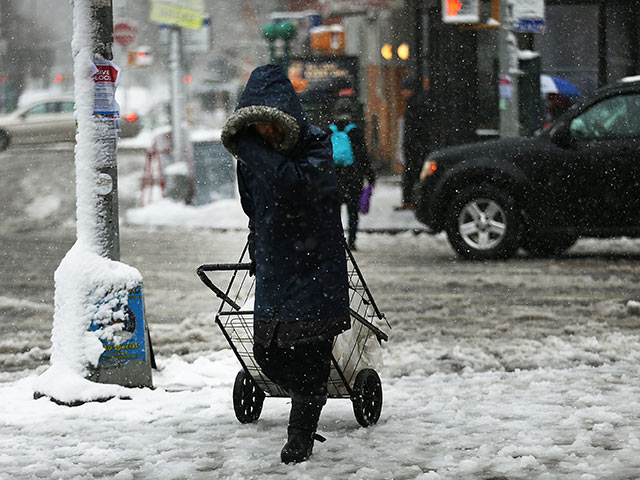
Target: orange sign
{"type": "Point", "coordinates": [461, 11]}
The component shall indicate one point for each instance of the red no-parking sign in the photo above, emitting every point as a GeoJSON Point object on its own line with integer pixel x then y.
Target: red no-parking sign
{"type": "Point", "coordinates": [124, 33]}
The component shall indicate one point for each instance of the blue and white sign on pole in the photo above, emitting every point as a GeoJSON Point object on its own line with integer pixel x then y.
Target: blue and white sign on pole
{"type": "Point", "coordinates": [120, 325]}
{"type": "Point", "coordinates": [528, 16]}
{"type": "Point", "coordinates": [129, 341]}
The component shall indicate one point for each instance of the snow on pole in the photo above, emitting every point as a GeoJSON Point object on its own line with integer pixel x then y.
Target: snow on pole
{"type": "Point", "coordinates": [96, 170]}
{"type": "Point", "coordinates": [99, 334]}
{"type": "Point", "coordinates": [509, 73]}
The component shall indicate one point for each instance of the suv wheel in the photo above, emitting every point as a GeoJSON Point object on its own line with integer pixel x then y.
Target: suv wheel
{"type": "Point", "coordinates": [483, 224]}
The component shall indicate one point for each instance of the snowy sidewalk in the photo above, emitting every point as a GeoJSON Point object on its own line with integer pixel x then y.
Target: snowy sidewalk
{"type": "Point", "coordinates": [228, 214]}
{"type": "Point", "coordinates": [480, 382]}
{"type": "Point", "coordinates": [578, 423]}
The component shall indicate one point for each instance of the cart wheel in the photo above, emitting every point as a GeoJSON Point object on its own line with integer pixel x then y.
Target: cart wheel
{"type": "Point", "coordinates": [247, 398]}
{"type": "Point", "coordinates": [367, 397]}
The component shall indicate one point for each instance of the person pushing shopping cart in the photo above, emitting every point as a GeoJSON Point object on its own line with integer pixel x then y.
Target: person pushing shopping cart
{"type": "Point", "coordinates": [288, 190]}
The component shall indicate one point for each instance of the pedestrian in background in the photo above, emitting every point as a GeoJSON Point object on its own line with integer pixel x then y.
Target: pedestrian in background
{"type": "Point", "coordinates": [288, 189]}
{"type": "Point", "coordinates": [352, 163]}
{"type": "Point", "coordinates": [416, 138]}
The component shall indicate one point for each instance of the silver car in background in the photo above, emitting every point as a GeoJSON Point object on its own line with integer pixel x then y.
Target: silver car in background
{"type": "Point", "coordinates": [51, 120]}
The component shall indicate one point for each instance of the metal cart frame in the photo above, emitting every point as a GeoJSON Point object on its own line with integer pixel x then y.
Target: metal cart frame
{"type": "Point", "coordinates": [346, 380]}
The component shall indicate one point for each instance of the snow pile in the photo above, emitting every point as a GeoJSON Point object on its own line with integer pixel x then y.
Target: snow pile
{"type": "Point", "coordinates": [633, 307]}
{"type": "Point", "coordinates": [43, 207]}
{"type": "Point", "coordinates": [228, 214]}
{"type": "Point", "coordinates": [89, 289]}
{"type": "Point", "coordinates": [546, 424]}
{"type": "Point", "coordinates": [220, 214]}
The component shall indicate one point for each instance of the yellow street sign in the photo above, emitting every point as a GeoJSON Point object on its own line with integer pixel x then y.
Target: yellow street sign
{"type": "Point", "coordinates": [178, 13]}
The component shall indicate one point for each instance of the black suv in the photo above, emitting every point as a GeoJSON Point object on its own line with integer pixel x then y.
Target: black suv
{"type": "Point", "coordinates": [580, 177]}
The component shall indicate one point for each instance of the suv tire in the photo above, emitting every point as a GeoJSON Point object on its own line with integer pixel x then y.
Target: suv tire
{"type": "Point", "coordinates": [482, 223]}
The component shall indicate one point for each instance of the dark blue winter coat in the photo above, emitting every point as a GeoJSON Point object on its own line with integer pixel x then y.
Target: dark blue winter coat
{"type": "Point", "coordinates": [290, 194]}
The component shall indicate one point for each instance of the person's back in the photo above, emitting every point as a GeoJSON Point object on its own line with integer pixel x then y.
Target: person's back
{"type": "Point", "coordinates": [341, 143]}
{"type": "Point", "coordinates": [351, 177]}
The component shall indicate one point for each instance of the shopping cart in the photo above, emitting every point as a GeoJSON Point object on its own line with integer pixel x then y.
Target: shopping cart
{"type": "Point", "coordinates": [355, 354]}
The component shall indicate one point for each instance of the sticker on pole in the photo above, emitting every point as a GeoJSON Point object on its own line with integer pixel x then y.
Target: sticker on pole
{"type": "Point", "coordinates": [505, 87]}
{"type": "Point", "coordinates": [106, 76]}
{"type": "Point", "coordinates": [104, 184]}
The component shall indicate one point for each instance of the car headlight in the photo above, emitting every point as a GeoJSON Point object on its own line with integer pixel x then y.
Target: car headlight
{"type": "Point", "coordinates": [429, 167]}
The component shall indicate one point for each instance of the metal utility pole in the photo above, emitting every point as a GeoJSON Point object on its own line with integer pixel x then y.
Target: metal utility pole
{"type": "Point", "coordinates": [133, 370]}
{"type": "Point", "coordinates": [177, 93]}
{"type": "Point", "coordinates": [108, 231]}
{"type": "Point", "coordinates": [89, 298]}
{"type": "Point", "coordinates": [418, 33]}
{"type": "Point", "coordinates": [283, 31]}
{"type": "Point", "coordinates": [177, 15]}
{"type": "Point", "coordinates": [509, 72]}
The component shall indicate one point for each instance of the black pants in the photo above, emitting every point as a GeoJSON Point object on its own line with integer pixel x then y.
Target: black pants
{"type": "Point", "coordinates": [410, 175]}
{"type": "Point", "coordinates": [352, 213]}
{"type": "Point", "coordinates": [302, 369]}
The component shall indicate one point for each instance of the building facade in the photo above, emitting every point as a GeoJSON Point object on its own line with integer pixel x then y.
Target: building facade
{"type": "Point", "coordinates": [588, 42]}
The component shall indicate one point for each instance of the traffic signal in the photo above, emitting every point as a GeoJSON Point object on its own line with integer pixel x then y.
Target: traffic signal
{"type": "Point", "coordinates": [460, 11]}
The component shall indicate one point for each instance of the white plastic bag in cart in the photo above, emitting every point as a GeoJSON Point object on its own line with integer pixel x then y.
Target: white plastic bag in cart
{"type": "Point", "coordinates": [357, 349]}
{"type": "Point", "coordinates": [354, 350]}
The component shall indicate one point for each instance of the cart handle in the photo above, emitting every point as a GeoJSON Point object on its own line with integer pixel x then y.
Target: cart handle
{"type": "Point", "coordinates": [218, 267]}
{"type": "Point", "coordinates": [380, 335]}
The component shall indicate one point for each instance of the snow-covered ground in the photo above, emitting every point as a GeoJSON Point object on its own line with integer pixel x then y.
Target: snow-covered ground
{"type": "Point", "coordinates": [509, 370]}
{"type": "Point", "coordinates": [523, 369]}
{"type": "Point", "coordinates": [545, 423]}
{"type": "Point", "coordinates": [228, 214]}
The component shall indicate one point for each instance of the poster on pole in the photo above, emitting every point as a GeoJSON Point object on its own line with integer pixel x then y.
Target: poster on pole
{"type": "Point", "coordinates": [123, 335]}
{"type": "Point", "coordinates": [505, 88]}
{"type": "Point", "coordinates": [106, 76]}
{"type": "Point", "coordinates": [178, 13]}
{"type": "Point", "coordinates": [528, 16]}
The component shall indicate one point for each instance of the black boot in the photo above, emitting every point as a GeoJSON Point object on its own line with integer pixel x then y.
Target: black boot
{"type": "Point", "coordinates": [299, 446]}
{"type": "Point", "coordinates": [303, 421]}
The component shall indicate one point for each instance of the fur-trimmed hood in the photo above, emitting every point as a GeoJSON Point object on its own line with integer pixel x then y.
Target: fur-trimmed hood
{"type": "Point", "coordinates": [268, 97]}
